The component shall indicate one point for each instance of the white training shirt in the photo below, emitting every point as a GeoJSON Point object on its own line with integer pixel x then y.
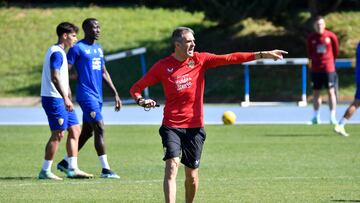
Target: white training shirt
{"type": "Point", "coordinates": [48, 88]}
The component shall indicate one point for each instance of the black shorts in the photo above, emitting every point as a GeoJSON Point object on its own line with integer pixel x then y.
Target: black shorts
{"type": "Point", "coordinates": [186, 143]}
{"type": "Point", "coordinates": [319, 80]}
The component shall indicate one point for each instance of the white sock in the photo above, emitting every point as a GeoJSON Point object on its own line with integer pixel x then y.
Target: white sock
{"type": "Point", "coordinates": [343, 121]}
{"type": "Point", "coordinates": [66, 158]}
{"type": "Point", "coordinates": [72, 162]}
{"type": "Point", "coordinates": [104, 162]}
{"type": "Point", "coordinates": [47, 165]}
{"type": "Point", "coordinates": [333, 114]}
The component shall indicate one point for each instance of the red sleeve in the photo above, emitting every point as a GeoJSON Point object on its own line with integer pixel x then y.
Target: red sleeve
{"type": "Point", "coordinates": [213, 60]}
{"type": "Point", "coordinates": [150, 78]}
{"type": "Point", "coordinates": [335, 45]}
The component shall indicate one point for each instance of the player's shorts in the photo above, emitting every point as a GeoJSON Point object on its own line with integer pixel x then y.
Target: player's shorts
{"type": "Point", "coordinates": [59, 118]}
{"type": "Point", "coordinates": [186, 143]}
{"type": "Point", "coordinates": [91, 111]}
{"type": "Point", "coordinates": [319, 80]}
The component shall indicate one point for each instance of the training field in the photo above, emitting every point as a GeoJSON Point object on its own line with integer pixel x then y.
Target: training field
{"type": "Point", "coordinates": [240, 163]}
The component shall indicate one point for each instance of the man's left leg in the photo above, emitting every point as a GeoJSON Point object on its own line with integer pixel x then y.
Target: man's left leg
{"type": "Point", "coordinates": [99, 141]}
{"type": "Point", "coordinates": [191, 183]}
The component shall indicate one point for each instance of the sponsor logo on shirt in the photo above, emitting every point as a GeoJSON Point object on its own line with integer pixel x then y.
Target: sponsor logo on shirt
{"type": "Point", "coordinates": [321, 49]}
{"type": "Point", "coordinates": [96, 63]}
{"type": "Point", "coordinates": [183, 82]}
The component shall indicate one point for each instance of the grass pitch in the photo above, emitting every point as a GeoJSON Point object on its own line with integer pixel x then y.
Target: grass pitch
{"type": "Point", "coordinates": [240, 163]}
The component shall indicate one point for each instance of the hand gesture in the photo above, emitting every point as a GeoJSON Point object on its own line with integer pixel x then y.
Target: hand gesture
{"type": "Point", "coordinates": [273, 54]}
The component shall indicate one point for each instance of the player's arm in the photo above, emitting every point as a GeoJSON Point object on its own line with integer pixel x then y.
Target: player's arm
{"type": "Point", "coordinates": [72, 56]}
{"type": "Point", "coordinates": [213, 60]}
{"type": "Point", "coordinates": [335, 46]}
{"type": "Point", "coordinates": [72, 72]}
{"type": "Point", "coordinates": [309, 50]}
{"type": "Point", "coordinates": [55, 65]}
{"type": "Point", "coordinates": [108, 81]}
{"type": "Point", "coordinates": [148, 80]}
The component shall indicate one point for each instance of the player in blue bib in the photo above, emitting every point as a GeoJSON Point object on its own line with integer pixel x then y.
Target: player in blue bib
{"type": "Point", "coordinates": [88, 58]}
{"type": "Point", "coordinates": [56, 101]}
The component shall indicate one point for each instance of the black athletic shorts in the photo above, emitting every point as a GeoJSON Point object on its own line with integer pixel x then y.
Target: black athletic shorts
{"type": "Point", "coordinates": [186, 143]}
{"type": "Point", "coordinates": [319, 80]}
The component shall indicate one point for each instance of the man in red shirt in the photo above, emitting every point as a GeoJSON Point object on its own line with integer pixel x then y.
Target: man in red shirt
{"type": "Point", "coordinates": [182, 77]}
{"type": "Point", "coordinates": [323, 48]}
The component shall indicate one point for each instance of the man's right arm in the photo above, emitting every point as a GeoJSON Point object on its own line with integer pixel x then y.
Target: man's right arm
{"type": "Point", "coordinates": [149, 79]}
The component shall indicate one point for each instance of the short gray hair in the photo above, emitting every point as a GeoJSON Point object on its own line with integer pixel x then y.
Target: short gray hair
{"type": "Point", "coordinates": [178, 32]}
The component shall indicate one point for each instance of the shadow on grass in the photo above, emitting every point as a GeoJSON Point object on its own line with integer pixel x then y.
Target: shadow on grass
{"type": "Point", "coordinates": [344, 200]}
{"type": "Point", "coordinates": [17, 178]}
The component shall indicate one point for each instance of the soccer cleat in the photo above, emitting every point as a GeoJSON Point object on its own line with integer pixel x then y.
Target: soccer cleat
{"type": "Point", "coordinates": [107, 173]}
{"type": "Point", "coordinates": [340, 129]}
{"type": "Point", "coordinates": [314, 121]}
{"type": "Point", "coordinates": [48, 175]}
{"type": "Point", "coordinates": [77, 173]}
{"type": "Point", "coordinates": [63, 166]}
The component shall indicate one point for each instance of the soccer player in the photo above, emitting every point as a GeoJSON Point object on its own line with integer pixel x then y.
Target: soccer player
{"type": "Point", "coordinates": [56, 101]}
{"type": "Point", "coordinates": [182, 77]}
{"type": "Point", "coordinates": [340, 128]}
{"type": "Point", "coordinates": [323, 48]}
{"type": "Point", "coordinates": [88, 58]}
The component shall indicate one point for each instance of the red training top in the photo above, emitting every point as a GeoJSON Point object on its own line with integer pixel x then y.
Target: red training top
{"type": "Point", "coordinates": [183, 83]}
{"type": "Point", "coordinates": [323, 50]}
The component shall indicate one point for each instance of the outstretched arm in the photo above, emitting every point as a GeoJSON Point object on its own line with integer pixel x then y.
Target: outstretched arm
{"type": "Point", "coordinates": [213, 60]}
{"type": "Point", "coordinates": [108, 81]}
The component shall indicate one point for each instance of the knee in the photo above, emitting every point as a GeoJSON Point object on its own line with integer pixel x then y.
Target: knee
{"type": "Point", "coordinates": [192, 177]}
{"type": "Point", "coordinates": [74, 132]}
{"type": "Point", "coordinates": [99, 129]}
{"type": "Point", "coordinates": [57, 135]}
{"type": "Point", "coordinates": [171, 168]}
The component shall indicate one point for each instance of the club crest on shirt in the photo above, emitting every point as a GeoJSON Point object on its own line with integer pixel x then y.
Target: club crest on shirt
{"type": "Point", "coordinates": [87, 51]}
{"type": "Point", "coordinates": [170, 70]}
{"type": "Point", "coordinates": [93, 114]}
{"type": "Point", "coordinates": [327, 40]}
{"type": "Point", "coordinates": [61, 121]}
{"type": "Point", "coordinates": [191, 64]}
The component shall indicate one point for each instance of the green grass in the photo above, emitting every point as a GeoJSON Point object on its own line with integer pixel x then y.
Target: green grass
{"type": "Point", "coordinates": [240, 163]}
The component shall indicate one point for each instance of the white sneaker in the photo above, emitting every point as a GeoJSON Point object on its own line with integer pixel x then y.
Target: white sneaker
{"type": "Point", "coordinates": [48, 175]}
{"type": "Point", "coordinates": [340, 129]}
{"type": "Point", "coordinates": [77, 173]}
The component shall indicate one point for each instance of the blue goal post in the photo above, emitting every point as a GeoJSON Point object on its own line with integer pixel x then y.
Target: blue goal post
{"type": "Point", "coordinates": [132, 52]}
{"type": "Point", "coordinates": [303, 62]}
